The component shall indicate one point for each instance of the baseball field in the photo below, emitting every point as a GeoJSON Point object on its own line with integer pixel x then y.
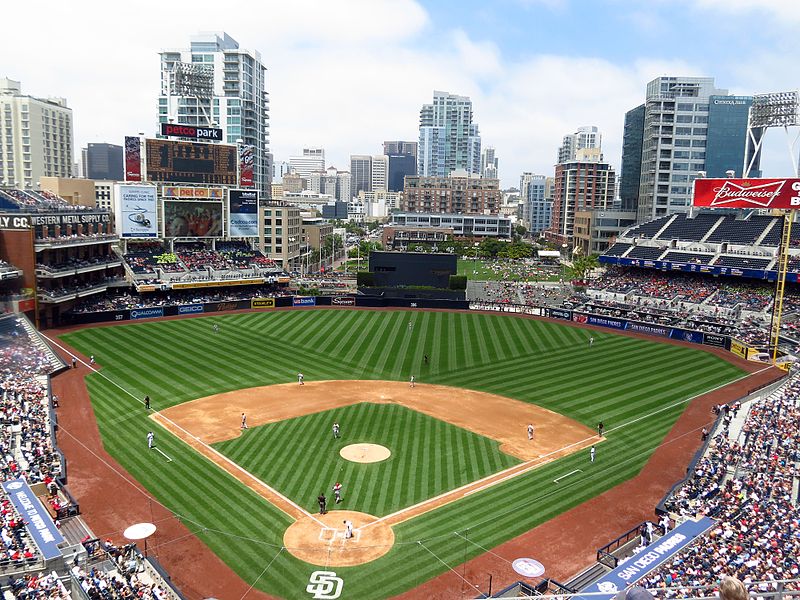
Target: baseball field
{"type": "Point", "coordinates": [461, 475]}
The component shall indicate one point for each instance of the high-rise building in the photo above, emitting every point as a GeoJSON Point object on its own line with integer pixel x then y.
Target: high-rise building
{"type": "Point", "coordinates": [360, 173]}
{"type": "Point", "coordinates": [585, 137]}
{"type": "Point", "coordinates": [103, 162]}
{"type": "Point", "coordinates": [537, 209]}
{"type": "Point", "coordinates": [460, 192]}
{"type": "Point", "coordinates": [279, 169]}
{"type": "Point", "coordinates": [632, 138]}
{"type": "Point", "coordinates": [379, 180]}
{"type": "Point", "coordinates": [35, 137]}
{"type": "Point", "coordinates": [688, 124]}
{"type": "Point", "coordinates": [312, 159]}
{"type": "Point", "coordinates": [583, 183]}
{"type": "Point", "coordinates": [400, 147]}
{"type": "Point", "coordinates": [489, 163]}
{"type": "Point", "coordinates": [216, 83]}
{"type": "Point", "coordinates": [336, 184]}
{"type": "Point", "coordinates": [400, 166]}
{"type": "Point", "coordinates": [448, 139]}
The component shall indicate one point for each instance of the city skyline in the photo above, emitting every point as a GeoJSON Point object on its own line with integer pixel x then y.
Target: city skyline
{"type": "Point", "coordinates": [518, 61]}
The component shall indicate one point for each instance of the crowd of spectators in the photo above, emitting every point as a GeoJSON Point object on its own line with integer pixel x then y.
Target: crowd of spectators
{"type": "Point", "coordinates": [673, 287]}
{"type": "Point", "coordinates": [744, 482]}
{"type": "Point", "coordinates": [32, 586]}
{"type": "Point", "coordinates": [526, 269]}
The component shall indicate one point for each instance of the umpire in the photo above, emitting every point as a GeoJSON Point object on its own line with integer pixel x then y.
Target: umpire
{"type": "Point", "coordinates": [322, 503]}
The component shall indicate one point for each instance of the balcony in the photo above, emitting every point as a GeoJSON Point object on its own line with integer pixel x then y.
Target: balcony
{"type": "Point", "coordinates": [75, 240]}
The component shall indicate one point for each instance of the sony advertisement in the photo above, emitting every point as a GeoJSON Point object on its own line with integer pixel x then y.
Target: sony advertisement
{"type": "Point", "coordinates": [192, 218]}
{"type": "Point", "coordinates": [136, 211]}
{"type": "Point", "coordinates": [243, 210]}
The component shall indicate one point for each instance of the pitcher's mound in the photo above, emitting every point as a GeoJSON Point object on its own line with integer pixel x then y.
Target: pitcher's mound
{"type": "Point", "coordinates": [320, 540]}
{"type": "Point", "coordinates": [365, 453]}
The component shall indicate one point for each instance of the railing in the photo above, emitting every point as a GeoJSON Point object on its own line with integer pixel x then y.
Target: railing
{"type": "Point", "coordinates": [605, 555]}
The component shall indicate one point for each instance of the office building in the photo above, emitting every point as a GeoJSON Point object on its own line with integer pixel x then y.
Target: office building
{"type": "Point", "coordinates": [595, 230]}
{"type": "Point", "coordinates": [103, 162]}
{"type": "Point", "coordinates": [460, 192]}
{"type": "Point", "coordinates": [279, 169]}
{"type": "Point", "coordinates": [400, 167]}
{"type": "Point", "coordinates": [536, 210]}
{"type": "Point", "coordinates": [360, 174]}
{"type": "Point", "coordinates": [688, 126]}
{"type": "Point", "coordinates": [379, 182]}
{"type": "Point", "coordinates": [280, 235]}
{"type": "Point", "coordinates": [400, 147]}
{"type": "Point", "coordinates": [36, 137]}
{"type": "Point", "coordinates": [312, 159]}
{"type": "Point", "coordinates": [448, 139]}
{"type": "Point", "coordinates": [332, 182]}
{"type": "Point", "coordinates": [215, 83]}
{"type": "Point", "coordinates": [463, 226]}
{"type": "Point", "coordinates": [489, 163]}
{"type": "Point", "coordinates": [632, 138]}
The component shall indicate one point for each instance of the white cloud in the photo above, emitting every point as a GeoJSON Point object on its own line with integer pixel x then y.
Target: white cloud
{"type": "Point", "coordinates": [780, 10]}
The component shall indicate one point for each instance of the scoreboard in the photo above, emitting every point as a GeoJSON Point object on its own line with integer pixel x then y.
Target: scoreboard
{"type": "Point", "coordinates": [191, 162]}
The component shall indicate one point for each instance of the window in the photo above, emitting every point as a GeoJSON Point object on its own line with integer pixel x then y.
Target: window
{"type": "Point", "coordinates": [683, 119]}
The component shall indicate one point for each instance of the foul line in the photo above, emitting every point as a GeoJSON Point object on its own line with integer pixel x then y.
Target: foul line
{"type": "Point", "coordinates": [162, 453]}
{"type": "Point", "coordinates": [157, 415]}
{"type": "Point", "coordinates": [557, 479]}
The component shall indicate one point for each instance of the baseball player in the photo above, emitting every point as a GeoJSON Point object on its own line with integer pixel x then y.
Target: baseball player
{"type": "Point", "coordinates": [337, 492]}
{"type": "Point", "coordinates": [300, 378]}
{"type": "Point", "coordinates": [151, 440]}
{"type": "Point", "coordinates": [323, 502]}
{"type": "Point", "coordinates": [216, 328]}
{"type": "Point", "coordinates": [411, 383]}
{"type": "Point", "coordinates": [244, 421]}
{"type": "Point", "coordinates": [591, 341]}
{"type": "Point", "coordinates": [147, 402]}
{"type": "Point", "coordinates": [91, 359]}
{"type": "Point", "coordinates": [335, 430]}
{"type": "Point", "coordinates": [665, 523]}
{"type": "Point", "coordinates": [600, 429]}
{"type": "Point", "coordinates": [530, 431]}
{"type": "Point", "coordinates": [74, 362]}
{"type": "Point", "coordinates": [348, 529]}
{"type": "Point", "coordinates": [591, 454]}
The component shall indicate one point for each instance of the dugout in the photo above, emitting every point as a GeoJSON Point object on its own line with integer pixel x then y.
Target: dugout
{"type": "Point", "coordinates": [403, 269]}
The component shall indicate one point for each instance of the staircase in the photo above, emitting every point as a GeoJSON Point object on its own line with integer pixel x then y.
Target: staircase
{"type": "Point", "coordinates": [38, 341]}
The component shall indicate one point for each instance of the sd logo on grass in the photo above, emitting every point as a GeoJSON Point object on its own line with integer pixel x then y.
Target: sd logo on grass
{"type": "Point", "coordinates": [324, 585]}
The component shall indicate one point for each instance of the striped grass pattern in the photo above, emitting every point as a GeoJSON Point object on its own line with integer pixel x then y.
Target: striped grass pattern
{"type": "Point", "coordinates": [617, 380]}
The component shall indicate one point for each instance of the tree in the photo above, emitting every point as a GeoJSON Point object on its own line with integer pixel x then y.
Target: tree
{"type": "Point", "coordinates": [582, 265]}
{"type": "Point", "coordinates": [521, 230]}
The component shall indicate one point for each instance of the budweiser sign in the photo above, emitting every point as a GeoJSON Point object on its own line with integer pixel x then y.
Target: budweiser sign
{"type": "Point", "coordinates": [747, 193]}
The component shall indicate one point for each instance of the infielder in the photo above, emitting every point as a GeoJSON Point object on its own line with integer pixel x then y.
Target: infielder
{"type": "Point", "coordinates": [591, 454]}
{"type": "Point", "coordinates": [530, 431]}
{"type": "Point", "coordinates": [411, 383]}
{"type": "Point", "coordinates": [150, 440]}
{"type": "Point", "coordinates": [335, 430]}
{"type": "Point", "coordinates": [244, 421]}
{"type": "Point", "coordinates": [300, 378]}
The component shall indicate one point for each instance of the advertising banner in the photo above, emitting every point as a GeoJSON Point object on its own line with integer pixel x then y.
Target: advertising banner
{"type": "Point", "coordinates": [225, 283]}
{"type": "Point", "coordinates": [559, 313]}
{"type": "Point", "coordinates": [262, 303]}
{"type": "Point", "coordinates": [601, 321]}
{"type": "Point", "coordinates": [191, 162]}
{"type": "Point", "coordinates": [147, 313]}
{"type": "Point", "coordinates": [747, 193]}
{"type": "Point", "coordinates": [192, 218]}
{"type": "Point", "coordinates": [14, 222]}
{"type": "Point", "coordinates": [246, 158]}
{"type": "Point", "coordinates": [304, 301]}
{"type": "Point", "coordinates": [191, 132]}
{"type": "Point", "coordinates": [133, 159]}
{"type": "Point", "coordinates": [718, 341]}
{"type": "Point", "coordinates": [136, 211]}
{"type": "Point", "coordinates": [190, 309]}
{"type": "Point", "coordinates": [343, 301]}
{"type": "Point", "coordinates": [648, 329]}
{"type": "Point", "coordinates": [174, 191]}
{"type": "Point", "coordinates": [646, 561]}
{"type": "Point", "coordinates": [243, 211]}
{"type": "Point", "coordinates": [38, 522]}
{"type": "Point", "coordinates": [739, 349]}
{"type": "Point", "coordinates": [695, 337]}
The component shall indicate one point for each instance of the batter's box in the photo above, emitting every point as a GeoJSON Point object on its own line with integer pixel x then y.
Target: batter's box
{"type": "Point", "coordinates": [327, 534]}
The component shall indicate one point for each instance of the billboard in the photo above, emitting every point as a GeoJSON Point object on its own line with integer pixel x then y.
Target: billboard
{"type": "Point", "coordinates": [192, 218]}
{"type": "Point", "coordinates": [747, 193]}
{"type": "Point", "coordinates": [246, 157]}
{"type": "Point", "coordinates": [37, 520]}
{"type": "Point", "coordinates": [136, 211]}
{"type": "Point", "coordinates": [191, 162]}
{"type": "Point", "coordinates": [147, 313]}
{"type": "Point", "coordinates": [191, 132]}
{"type": "Point", "coordinates": [304, 301]}
{"type": "Point", "coordinates": [243, 211]}
{"type": "Point", "coordinates": [174, 191]}
{"type": "Point", "coordinates": [133, 159]}
{"type": "Point", "coordinates": [262, 303]}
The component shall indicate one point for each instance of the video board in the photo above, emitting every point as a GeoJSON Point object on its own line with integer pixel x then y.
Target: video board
{"type": "Point", "coordinates": [191, 162]}
{"type": "Point", "coordinates": [192, 218]}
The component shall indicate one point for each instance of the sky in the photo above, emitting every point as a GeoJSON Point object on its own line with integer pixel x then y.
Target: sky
{"type": "Point", "coordinates": [347, 74]}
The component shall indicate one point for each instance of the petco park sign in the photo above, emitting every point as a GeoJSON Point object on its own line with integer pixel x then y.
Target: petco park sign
{"type": "Point", "coordinates": [747, 193]}
{"type": "Point", "coordinates": [189, 131]}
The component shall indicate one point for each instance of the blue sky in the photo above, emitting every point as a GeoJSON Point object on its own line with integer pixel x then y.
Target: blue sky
{"type": "Point", "coordinates": [347, 74]}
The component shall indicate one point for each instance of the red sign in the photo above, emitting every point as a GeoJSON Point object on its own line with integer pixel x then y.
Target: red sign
{"type": "Point", "coordinates": [133, 159]}
{"type": "Point", "coordinates": [246, 165]}
{"type": "Point", "coordinates": [747, 193]}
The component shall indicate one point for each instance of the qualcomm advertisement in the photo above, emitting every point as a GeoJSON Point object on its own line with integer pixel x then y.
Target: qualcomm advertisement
{"type": "Point", "coordinates": [39, 524]}
{"type": "Point", "coordinates": [147, 313]}
{"type": "Point", "coordinates": [136, 211]}
{"type": "Point", "coordinates": [641, 564]}
{"type": "Point", "coordinates": [243, 210]}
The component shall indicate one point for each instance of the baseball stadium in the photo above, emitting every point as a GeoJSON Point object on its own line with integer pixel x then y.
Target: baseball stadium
{"type": "Point", "coordinates": [188, 417]}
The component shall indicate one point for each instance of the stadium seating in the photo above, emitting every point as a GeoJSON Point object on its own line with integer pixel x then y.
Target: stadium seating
{"type": "Point", "coordinates": [739, 231]}
{"type": "Point", "coordinates": [648, 229]}
{"type": "Point", "coordinates": [617, 249]}
{"type": "Point", "coordinates": [688, 257]}
{"type": "Point", "coordinates": [691, 230]}
{"type": "Point", "coordinates": [645, 252]}
{"type": "Point", "coordinates": [742, 262]}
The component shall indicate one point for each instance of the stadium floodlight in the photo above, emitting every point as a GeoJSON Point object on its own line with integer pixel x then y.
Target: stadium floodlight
{"type": "Point", "coordinates": [193, 80]}
{"type": "Point", "coordinates": [779, 109]}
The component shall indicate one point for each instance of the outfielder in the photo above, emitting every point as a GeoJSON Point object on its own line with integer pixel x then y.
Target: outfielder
{"type": "Point", "coordinates": [335, 430]}
{"type": "Point", "coordinates": [591, 454]}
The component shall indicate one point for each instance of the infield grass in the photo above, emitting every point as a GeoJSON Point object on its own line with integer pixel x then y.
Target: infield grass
{"type": "Point", "coordinates": [635, 386]}
{"type": "Point", "coordinates": [299, 457]}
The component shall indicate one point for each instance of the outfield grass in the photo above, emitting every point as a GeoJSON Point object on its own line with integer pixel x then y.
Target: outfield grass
{"type": "Point", "coordinates": [479, 270]}
{"type": "Point", "coordinates": [618, 380]}
{"type": "Point", "coordinates": [300, 458]}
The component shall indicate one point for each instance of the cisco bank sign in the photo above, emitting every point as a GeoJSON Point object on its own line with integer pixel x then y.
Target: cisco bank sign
{"type": "Point", "coordinates": [147, 313]}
